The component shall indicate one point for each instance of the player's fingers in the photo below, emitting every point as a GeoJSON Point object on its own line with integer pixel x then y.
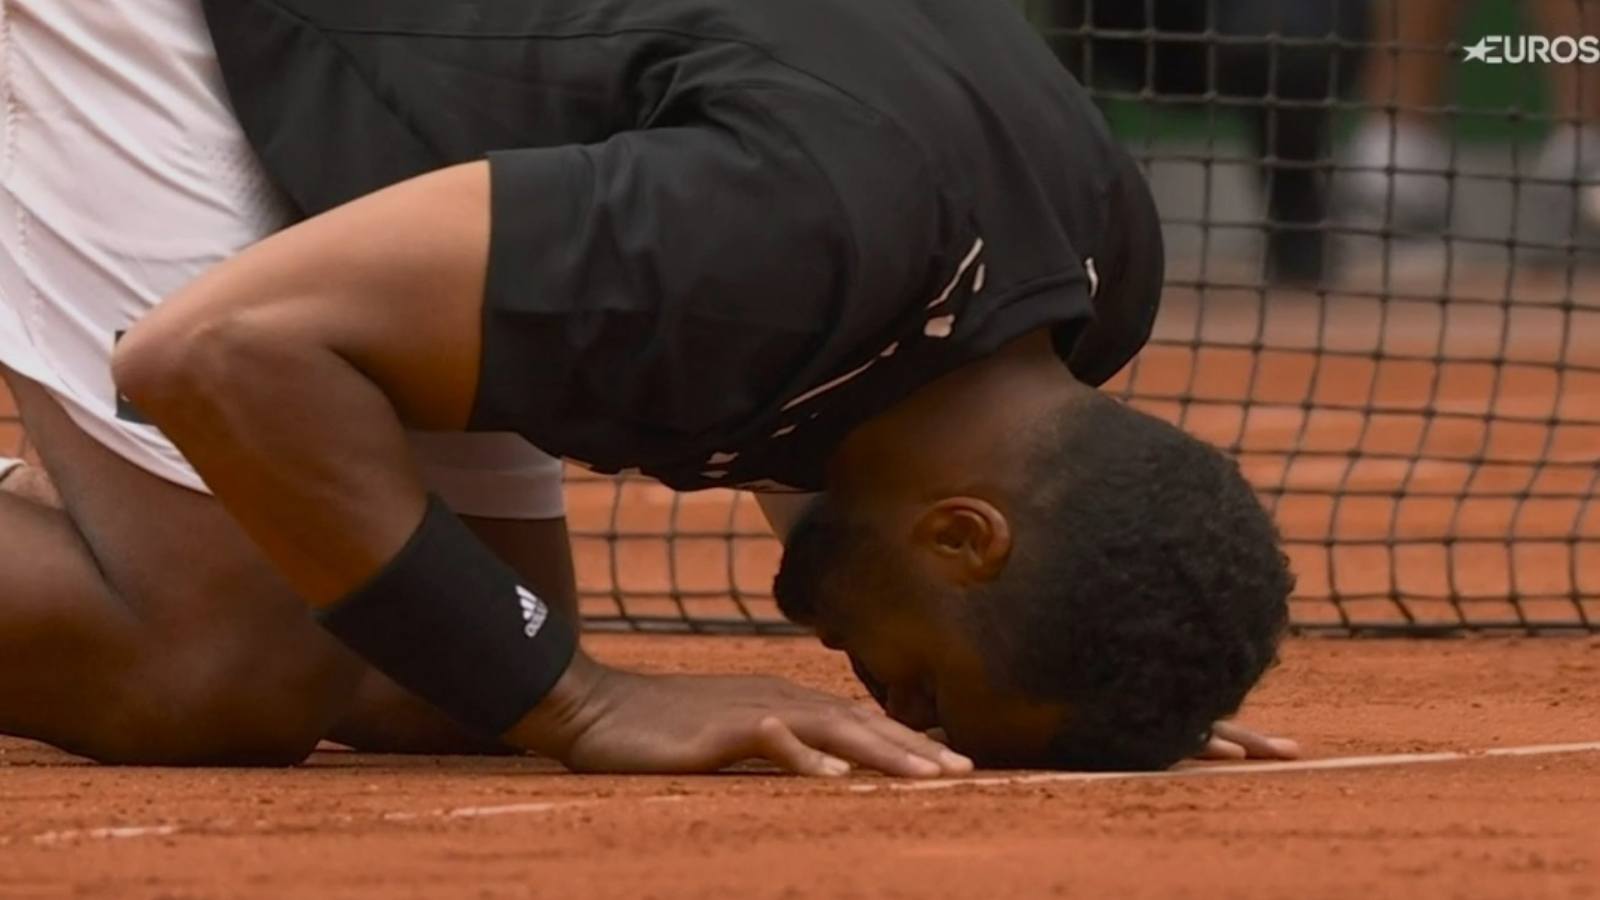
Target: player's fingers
{"type": "Point", "coordinates": [1256, 746]}
{"type": "Point", "coordinates": [949, 761]}
{"type": "Point", "coordinates": [776, 742]}
{"type": "Point", "coordinates": [1218, 749]}
{"type": "Point", "coordinates": [851, 738]}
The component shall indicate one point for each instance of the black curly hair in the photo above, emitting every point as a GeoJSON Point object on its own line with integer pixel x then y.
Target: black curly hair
{"type": "Point", "coordinates": [1147, 591]}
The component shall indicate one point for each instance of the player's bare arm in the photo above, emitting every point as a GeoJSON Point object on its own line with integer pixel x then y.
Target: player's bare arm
{"type": "Point", "coordinates": [287, 375]}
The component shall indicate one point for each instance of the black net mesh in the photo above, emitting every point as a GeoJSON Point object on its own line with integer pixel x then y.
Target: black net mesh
{"type": "Point", "coordinates": [1382, 302]}
{"type": "Point", "coordinates": [1381, 287]}
{"type": "Point", "coordinates": [1382, 298]}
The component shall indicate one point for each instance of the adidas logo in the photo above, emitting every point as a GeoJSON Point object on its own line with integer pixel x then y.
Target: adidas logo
{"type": "Point", "coordinates": [534, 612]}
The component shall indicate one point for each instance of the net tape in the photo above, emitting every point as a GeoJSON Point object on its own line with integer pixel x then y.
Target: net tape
{"type": "Point", "coordinates": [1414, 392]}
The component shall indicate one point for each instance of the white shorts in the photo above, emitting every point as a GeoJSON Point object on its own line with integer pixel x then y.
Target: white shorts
{"type": "Point", "coordinates": [123, 175]}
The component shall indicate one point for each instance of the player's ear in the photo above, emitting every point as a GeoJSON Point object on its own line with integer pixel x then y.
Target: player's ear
{"type": "Point", "coordinates": [966, 540]}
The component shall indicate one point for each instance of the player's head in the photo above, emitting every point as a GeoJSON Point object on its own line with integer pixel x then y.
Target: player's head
{"type": "Point", "coordinates": [1089, 590]}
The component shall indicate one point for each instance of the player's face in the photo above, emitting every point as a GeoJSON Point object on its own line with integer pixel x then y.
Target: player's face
{"type": "Point", "coordinates": [857, 588]}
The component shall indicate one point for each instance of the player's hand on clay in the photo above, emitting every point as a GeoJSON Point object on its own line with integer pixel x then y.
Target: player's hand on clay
{"type": "Point", "coordinates": [612, 721]}
{"type": "Point", "coordinates": [1230, 740]}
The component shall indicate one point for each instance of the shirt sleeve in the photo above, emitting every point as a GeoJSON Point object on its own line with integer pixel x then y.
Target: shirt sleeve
{"type": "Point", "coordinates": [674, 280]}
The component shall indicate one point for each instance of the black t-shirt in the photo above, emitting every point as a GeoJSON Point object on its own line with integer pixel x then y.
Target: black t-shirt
{"type": "Point", "coordinates": [725, 232]}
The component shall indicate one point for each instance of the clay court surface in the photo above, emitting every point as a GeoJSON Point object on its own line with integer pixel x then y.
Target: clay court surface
{"type": "Point", "coordinates": [1420, 473]}
{"type": "Point", "coordinates": [1426, 430]}
{"type": "Point", "coordinates": [362, 826]}
{"type": "Point", "coordinates": [1430, 463]}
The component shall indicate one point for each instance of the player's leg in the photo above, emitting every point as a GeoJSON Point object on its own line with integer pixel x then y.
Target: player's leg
{"type": "Point", "coordinates": [137, 625]}
{"type": "Point", "coordinates": [1411, 59]}
{"type": "Point", "coordinates": [1575, 86]}
{"type": "Point", "coordinates": [118, 700]}
{"type": "Point", "coordinates": [1397, 151]}
{"type": "Point", "coordinates": [135, 101]}
{"type": "Point", "coordinates": [1571, 151]}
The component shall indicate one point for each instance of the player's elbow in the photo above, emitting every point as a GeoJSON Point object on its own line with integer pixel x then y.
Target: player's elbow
{"type": "Point", "coordinates": [176, 368]}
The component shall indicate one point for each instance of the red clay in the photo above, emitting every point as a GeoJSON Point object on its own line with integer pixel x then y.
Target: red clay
{"type": "Point", "coordinates": [353, 826]}
{"type": "Point", "coordinates": [1420, 480]}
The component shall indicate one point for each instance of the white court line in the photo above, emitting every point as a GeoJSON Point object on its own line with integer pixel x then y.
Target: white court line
{"type": "Point", "coordinates": [1245, 768]}
{"type": "Point", "coordinates": [485, 812]}
{"type": "Point", "coordinates": [125, 832]}
{"type": "Point", "coordinates": [461, 812]}
{"type": "Point", "coordinates": [105, 834]}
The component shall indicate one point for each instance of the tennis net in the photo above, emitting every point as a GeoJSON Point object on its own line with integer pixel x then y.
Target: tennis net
{"type": "Point", "coordinates": [1387, 312]}
{"type": "Point", "coordinates": [1383, 304]}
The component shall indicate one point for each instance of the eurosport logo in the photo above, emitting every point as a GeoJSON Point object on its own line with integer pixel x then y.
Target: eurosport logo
{"type": "Point", "coordinates": [1508, 49]}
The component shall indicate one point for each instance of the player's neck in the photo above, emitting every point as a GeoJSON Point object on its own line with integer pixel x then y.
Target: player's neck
{"type": "Point", "coordinates": [1001, 394]}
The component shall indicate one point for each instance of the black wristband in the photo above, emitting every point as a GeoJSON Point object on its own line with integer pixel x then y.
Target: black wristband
{"type": "Point", "coordinates": [449, 621]}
